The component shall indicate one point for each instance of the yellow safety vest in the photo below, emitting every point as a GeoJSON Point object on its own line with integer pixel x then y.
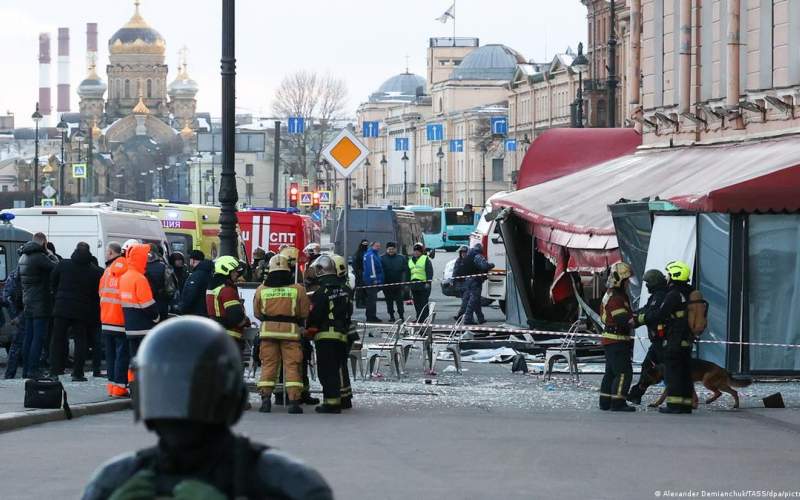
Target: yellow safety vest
{"type": "Point", "coordinates": [417, 269]}
{"type": "Point", "coordinates": [280, 293]}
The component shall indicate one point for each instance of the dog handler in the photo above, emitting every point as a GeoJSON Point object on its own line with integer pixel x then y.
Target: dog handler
{"type": "Point", "coordinates": [656, 284]}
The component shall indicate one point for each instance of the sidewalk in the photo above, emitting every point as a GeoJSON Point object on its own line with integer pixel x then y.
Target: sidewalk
{"type": "Point", "coordinates": [85, 398]}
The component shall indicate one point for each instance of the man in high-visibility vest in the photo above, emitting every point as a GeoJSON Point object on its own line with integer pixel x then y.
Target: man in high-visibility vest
{"type": "Point", "coordinates": [420, 269]}
{"type": "Point", "coordinates": [113, 322]}
{"type": "Point", "coordinates": [282, 306]}
{"type": "Point", "coordinates": [223, 303]}
{"type": "Point", "coordinates": [617, 340]}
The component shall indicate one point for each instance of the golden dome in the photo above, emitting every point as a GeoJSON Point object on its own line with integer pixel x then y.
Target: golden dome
{"type": "Point", "coordinates": [141, 108]}
{"type": "Point", "coordinates": [187, 132]}
{"type": "Point", "coordinates": [137, 37]}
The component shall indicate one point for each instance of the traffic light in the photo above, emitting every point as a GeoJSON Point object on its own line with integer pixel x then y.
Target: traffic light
{"type": "Point", "coordinates": [294, 193]}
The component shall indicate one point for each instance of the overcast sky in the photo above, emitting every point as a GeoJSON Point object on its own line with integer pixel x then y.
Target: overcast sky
{"type": "Point", "coordinates": [362, 41]}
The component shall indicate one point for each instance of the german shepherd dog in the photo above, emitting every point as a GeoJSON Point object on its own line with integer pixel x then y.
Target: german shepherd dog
{"type": "Point", "coordinates": [715, 378]}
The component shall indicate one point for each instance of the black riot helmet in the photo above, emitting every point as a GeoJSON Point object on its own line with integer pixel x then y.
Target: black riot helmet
{"type": "Point", "coordinates": [654, 279]}
{"type": "Point", "coordinates": [189, 369]}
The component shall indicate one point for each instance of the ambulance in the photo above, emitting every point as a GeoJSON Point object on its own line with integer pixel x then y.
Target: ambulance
{"type": "Point", "coordinates": [188, 227]}
{"type": "Point", "coordinates": [269, 229]}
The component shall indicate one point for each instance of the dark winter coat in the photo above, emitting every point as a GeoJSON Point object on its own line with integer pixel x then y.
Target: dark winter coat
{"type": "Point", "coordinates": [74, 283]}
{"type": "Point", "coordinates": [35, 266]}
{"type": "Point", "coordinates": [475, 263]}
{"type": "Point", "coordinates": [193, 297]}
{"type": "Point", "coordinates": [395, 268]}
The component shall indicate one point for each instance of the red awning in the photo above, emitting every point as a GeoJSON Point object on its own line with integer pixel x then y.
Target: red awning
{"type": "Point", "coordinates": [563, 151]}
{"type": "Point", "coordinates": [757, 176]}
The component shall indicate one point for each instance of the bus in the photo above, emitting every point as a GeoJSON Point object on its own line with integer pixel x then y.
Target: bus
{"type": "Point", "coordinates": [445, 228]}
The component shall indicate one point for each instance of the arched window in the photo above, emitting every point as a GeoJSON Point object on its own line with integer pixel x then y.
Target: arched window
{"type": "Point", "coordinates": [149, 88]}
{"type": "Point", "coordinates": [127, 89]}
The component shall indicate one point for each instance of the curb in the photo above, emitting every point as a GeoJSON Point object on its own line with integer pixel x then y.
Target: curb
{"type": "Point", "coordinates": [17, 420]}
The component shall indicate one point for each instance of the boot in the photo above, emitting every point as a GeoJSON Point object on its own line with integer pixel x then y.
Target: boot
{"type": "Point", "coordinates": [295, 408]}
{"type": "Point", "coordinates": [279, 398]}
{"type": "Point", "coordinates": [635, 395]}
{"type": "Point", "coordinates": [266, 405]}
{"type": "Point", "coordinates": [328, 409]}
{"type": "Point", "coordinates": [623, 407]}
{"type": "Point", "coordinates": [605, 403]}
{"type": "Point", "coordinates": [675, 410]}
{"type": "Point", "coordinates": [307, 399]}
{"type": "Point", "coordinates": [347, 403]}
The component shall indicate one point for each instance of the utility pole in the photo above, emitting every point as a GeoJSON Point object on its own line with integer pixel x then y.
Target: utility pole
{"type": "Point", "coordinates": [277, 164]}
{"type": "Point", "coordinates": [228, 195]}
{"type": "Point", "coordinates": [612, 67]}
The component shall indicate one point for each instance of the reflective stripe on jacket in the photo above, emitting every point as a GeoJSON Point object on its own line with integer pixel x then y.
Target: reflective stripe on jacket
{"type": "Point", "coordinates": [138, 307]}
{"type": "Point", "coordinates": [111, 315]}
{"type": "Point", "coordinates": [225, 306]}
{"type": "Point", "coordinates": [285, 302]}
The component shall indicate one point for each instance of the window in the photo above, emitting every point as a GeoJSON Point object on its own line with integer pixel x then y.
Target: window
{"type": "Point", "coordinates": [430, 222]}
{"type": "Point", "coordinates": [180, 243]}
{"type": "Point", "coordinates": [458, 217]}
{"type": "Point", "coordinates": [497, 170]}
{"type": "Point", "coordinates": [3, 263]}
{"type": "Point", "coordinates": [127, 89]}
{"type": "Point", "coordinates": [5, 188]}
{"type": "Point", "coordinates": [248, 169]}
{"type": "Point", "coordinates": [149, 88]}
{"type": "Point", "coordinates": [713, 257]}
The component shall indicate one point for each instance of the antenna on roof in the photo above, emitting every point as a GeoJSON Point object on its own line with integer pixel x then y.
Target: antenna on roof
{"type": "Point", "coordinates": [407, 64]}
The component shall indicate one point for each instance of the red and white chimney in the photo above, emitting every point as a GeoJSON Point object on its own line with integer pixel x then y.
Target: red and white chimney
{"type": "Point", "coordinates": [63, 70]}
{"type": "Point", "coordinates": [44, 78]}
{"type": "Point", "coordinates": [91, 44]}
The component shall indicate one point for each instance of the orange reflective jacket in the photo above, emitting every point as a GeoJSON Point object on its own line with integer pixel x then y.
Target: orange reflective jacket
{"type": "Point", "coordinates": [110, 304]}
{"type": "Point", "coordinates": [138, 306]}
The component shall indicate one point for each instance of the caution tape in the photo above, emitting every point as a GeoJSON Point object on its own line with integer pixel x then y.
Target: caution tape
{"type": "Point", "coordinates": [550, 333]}
{"type": "Point", "coordinates": [403, 283]}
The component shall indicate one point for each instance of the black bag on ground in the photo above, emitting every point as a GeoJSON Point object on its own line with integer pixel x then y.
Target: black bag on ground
{"type": "Point", "coordinates": [45, 393]}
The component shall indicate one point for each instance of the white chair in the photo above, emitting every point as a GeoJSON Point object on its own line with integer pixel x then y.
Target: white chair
{"type": "Point", "coordinates": [566, 351]}
{"type": "Point", "coordinates": [388, 350]}
{"type": "Point", "coordinates": [419, 334]}
{"type": "Point", "coordinates": [451, 342]}
{"type": "Point", "coordinates": [355, 355]}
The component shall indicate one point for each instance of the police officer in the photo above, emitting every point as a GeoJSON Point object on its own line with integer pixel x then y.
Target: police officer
{"type": "Point", "coordinates": [223, 302]}
{"type": "Point", "coordinates": [617, 341]}
{"type": "Point", "coordinates": [458, 270]}
{"type": "Point", "coordinates": [678, 343]}
{"type": "Point", "coordinates": [420, 269]}
{"type": "Point", "coordinates": [190, 393]}
{"type": "Point", "coordinates": [329, 323]}
{"type": "Point", "coordinates": [656, 284]}
{"type": "Point", "coordinates": [282, 306]}
{"type": "Point", "coordinates": [475, 263]}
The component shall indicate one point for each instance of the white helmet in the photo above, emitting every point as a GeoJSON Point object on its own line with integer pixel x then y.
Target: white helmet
{"type": "Point", "coordinates": [129, 243]}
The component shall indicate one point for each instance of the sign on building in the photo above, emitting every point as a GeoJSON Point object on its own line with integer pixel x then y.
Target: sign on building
{"type": "Point", "coordinates": [499, 125]}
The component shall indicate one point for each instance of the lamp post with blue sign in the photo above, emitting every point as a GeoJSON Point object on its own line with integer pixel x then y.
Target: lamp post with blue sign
{"type": "Point", "coordinates": [484, 150]}
{"type": "Point", "coordinates": [383, 173]}
{"type": "Point", "coordinates": [405, 178]}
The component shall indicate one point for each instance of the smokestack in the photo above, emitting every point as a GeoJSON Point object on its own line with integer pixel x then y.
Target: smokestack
{"type": "Point", "coordinates": [91, 44]}
{"type": "Point", "coordinates": [44, 78]}
{"type": "Point", "coordinates": [63, 70]}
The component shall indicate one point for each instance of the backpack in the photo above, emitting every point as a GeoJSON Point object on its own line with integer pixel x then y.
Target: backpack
{"type": "Point", "coordinates": [697, 313]}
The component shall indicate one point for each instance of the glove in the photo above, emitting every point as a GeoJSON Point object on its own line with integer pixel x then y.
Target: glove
{"type": "Point", "coordinates": [141, 486]}
{"type": "Point", "coordinates": [191, 489]}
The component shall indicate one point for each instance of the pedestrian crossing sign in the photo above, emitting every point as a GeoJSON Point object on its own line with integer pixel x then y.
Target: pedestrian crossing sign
{"type": "Point", "coordinates": [48, 202]}
{"type": "Point", "coordinates": [79, 170]}
{"type": "Point", "coordinates": [324, 197]}
{"type": "Point", "coordinates": [305, 199]}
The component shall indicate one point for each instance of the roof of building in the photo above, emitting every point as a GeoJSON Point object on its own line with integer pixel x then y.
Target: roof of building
{"type": "Point", "coordinates": [490, 62]}
{"type": "Point", "coordinates": [137, 37]}
{"type": "Point", "coordinates": [405, 86]}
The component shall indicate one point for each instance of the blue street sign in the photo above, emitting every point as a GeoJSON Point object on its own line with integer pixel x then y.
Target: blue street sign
{"type": "Point", "coordinates": [456, 145]}
{"type": "Point", "coordinates": [401, 144]}
{"type": "Point", "coordinates": [499, 125]}
{"type": "Point", "coordinates": [435, 132]}
{"type": "Point", "coordinates": [511, 144]}
{"type": "Point", "coordinates": [316, 216]}
{"type": "Point", "coordinates": [370, 129]}
{"type": "Point", "coordinates": [324, 197]}
{"type": "Point", "coordinates": [296, 125]}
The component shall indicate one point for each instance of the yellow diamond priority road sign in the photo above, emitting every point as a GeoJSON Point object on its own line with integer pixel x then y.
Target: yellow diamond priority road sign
{"type": "Point", "coordinates": [345, 153]}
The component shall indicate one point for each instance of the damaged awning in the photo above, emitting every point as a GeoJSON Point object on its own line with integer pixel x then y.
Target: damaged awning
{"type": "Point", "coordinates": [571, 212]}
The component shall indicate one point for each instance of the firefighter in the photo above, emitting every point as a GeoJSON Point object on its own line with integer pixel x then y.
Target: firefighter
{"type": "Point", "coordinates": [352, 332]}
{"type": "Point", "coordinates": [677, 348]}
{"type": "Point", "coordinates": [282, 306]}
{"type": "Point", "coordinates": [312, 252]}
{"type": "Point", "coordinates": [656, 284]}
{"type": "Point", "coordinates": [191, 394]}
{"type": "Point", "coordinates": [329, 323]}
{"type": "Point", "coordinates": [223, 302]}
{"type": "Point", "coordinates": [617, 341]}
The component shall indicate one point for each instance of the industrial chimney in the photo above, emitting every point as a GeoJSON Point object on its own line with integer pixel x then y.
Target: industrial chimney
{"type": "Point", "coordinates": [91, 44]}
{"type": "Point", "coordinates": [44, 78]}
{"type": "Point", "coordinates": [63, 70]}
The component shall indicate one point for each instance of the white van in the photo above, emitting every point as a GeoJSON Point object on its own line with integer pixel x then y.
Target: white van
{"type": "Point", "coordinates": [487, 232]}
{"type": "Point", "coordinates": [66, 226]}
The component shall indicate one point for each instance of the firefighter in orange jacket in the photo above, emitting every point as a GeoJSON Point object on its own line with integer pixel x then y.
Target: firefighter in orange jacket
{"type": "Point", "coordinates": [138, 307]}
{"type": "Point", "coordinates": [617, 340]}
{"type": "Point", "coordinates": [282, 306]}
{"type": "Point", "coordinates": [113, 322]}
{"type": "Point", "coordinates": [223, 302]}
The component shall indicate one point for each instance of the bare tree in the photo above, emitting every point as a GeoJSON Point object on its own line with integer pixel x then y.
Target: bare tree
{"type": "Point", "coordinates": [320, 100]}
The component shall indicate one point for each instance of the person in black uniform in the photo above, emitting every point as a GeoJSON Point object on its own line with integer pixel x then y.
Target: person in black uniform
{"type": "Point", "coordinates": [678, 344]}
{"type": "Point", "coordinates": [656, 284]}
{"type": "Point", "coordinates": [197, 455]}
{"type": "Point", "coordinates": [617, 341]}
{"type": "Point", "coordinates": [352, 333]}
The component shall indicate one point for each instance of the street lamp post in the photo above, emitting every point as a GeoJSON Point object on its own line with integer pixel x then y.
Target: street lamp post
{"type": "Point", "coordinates": [367, 164]}
{"type": "Point", "coordinates": [383, 174]}
{"type": "Point", "coordinates": [36, 117]}
{"type": "Point", "coordinates": [580, 64]}
{"type": "Point", "coordinates": [79, 139]}
{"type": "Point", "coordinates": [62, 128]}
{"type": "Point", "coordinates": [440, 155]}
{"type": "Point", "coordinates": [483, 171]}
{"type": "Point", "coordinates": [405, 178]}
{"type": "Point", "coordinates": [228, 195]}
{"type": "Point", "coordinates": [285, 188]}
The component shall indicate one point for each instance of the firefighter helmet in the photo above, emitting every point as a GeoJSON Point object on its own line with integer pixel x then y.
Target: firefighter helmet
{"type": "Point", "coordinates": [291, 254]}
{"type": "Point", "coordinates": [312, 249]}
{"type": "Point", "coordinates": [341, 265]}
{"type": "Point", "coordinates": [619, 272]}
{"type": "Point", "coordinates": [188, 369]}
{"type": "Point", "coordinates": [278, 263]}
{"type": "Point", "coordinates": [325, 266]}
{"type": "Point", "coordinates": [226, 264]}
{"type": "Point", "coordinates": [678, 271]}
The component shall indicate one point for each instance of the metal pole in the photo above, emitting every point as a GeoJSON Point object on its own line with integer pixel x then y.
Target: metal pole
{"type": "Point", "coordinates": [405, 181]}
{"type": "Point", "coordinates": [345, 250]}
{"type": "Point", "coordinates": [277, 166]}
{"type": "Point", "coordinates": [78, 178]}
{"type": "Point", "coordinates": [580, 100]}
{"type": "Point", "coordinates": [200, 198]}
{"type": "Point", "coordinates": [366, 192]}
{"type": "Point", "coordinates": [36, 163]}
{"type": "Point", "coordinates": [61, 171]}
{"type": "Point", "coordinates": [89, 161]}
{"type": "Point", "coordinates": [483, 178]}
{"type": "Point", "coordinates": [228, 195]}
{"type": "Point", "coordinates": [612, 67]}
{"type": "Point", "coordinates": [440, 179]}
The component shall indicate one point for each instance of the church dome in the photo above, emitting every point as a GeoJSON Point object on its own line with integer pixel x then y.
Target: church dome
{"type": "Point", "coordinates": [490, 62]}
{"type": "Point", "coordinates": [137, 37]}
{"type": "Point", "coordinates": [405, 86]}
{"type": "Point", "coordinates": [92, 86]}
{"type": "Point", "coordinates": [183, 85]}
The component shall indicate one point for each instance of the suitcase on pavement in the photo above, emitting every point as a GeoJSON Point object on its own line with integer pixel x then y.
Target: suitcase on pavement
{"type": "Point", "coordinates": [45, 393]}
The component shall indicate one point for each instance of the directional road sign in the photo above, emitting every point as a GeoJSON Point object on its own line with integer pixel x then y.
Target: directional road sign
{"type": "Point", "coordinates": [456, 145]}
{"type": "Point", "coordinates": [79, 170]}
{"type": "Point", "coordinates": [401, 144]}
{"type": "Point", "coordinates": [296, 125]}
{"type": "Point", "coordinates": [345, 152]}
{"type": "Point", "coordinates": [324, 197]}
{"type": "Point", "coordinates": [499, 125]}
{"type": "Point", "coordinates": [48, 202]}
{"type": "Point", "coordinates": [305, 199]}
{"type": "Point", "coordinates": [435, 132]}
{"type": "Point", "coordinates": [425, 191]}
{"type": "Point", "coordinates": [511, 144]}
{"type": "Point", "coordinates": [48, 191]}
{"type": "Point", "coordinates": [305, 183]}
{"type": "Point", "coordinates": [370, 129]}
